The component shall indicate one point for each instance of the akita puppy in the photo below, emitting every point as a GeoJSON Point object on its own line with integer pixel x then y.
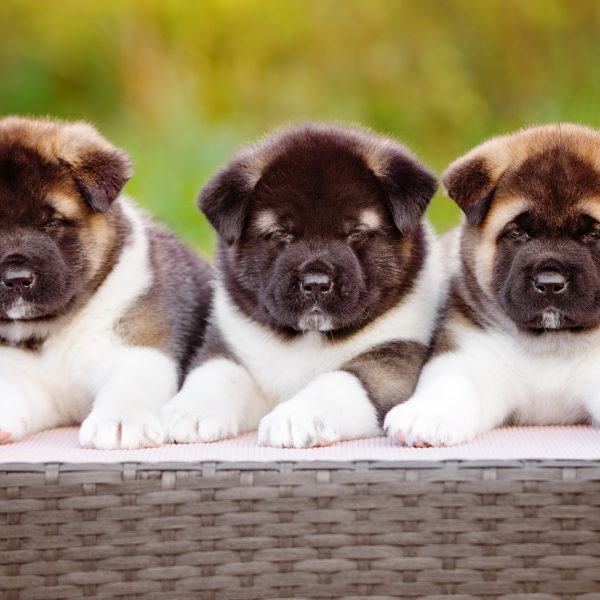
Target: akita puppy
{"type": "Point", "coordinates": [101, 309]}
{"type": "Point", "coordinates": [327, 290]}
{"type": "Point", "coordinates": [521, 339]}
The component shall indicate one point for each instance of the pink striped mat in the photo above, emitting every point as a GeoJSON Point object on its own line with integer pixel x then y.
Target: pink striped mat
{"type": "Point", "coordinates": [509, 443]}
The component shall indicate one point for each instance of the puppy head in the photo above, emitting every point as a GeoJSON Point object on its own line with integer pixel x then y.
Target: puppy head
{"type": "Point", "coordinates": [57, 183]}
{"type": "Point", "coordinates": [318, 225]}
{"type": "Point", "coordinates": [532, 232]}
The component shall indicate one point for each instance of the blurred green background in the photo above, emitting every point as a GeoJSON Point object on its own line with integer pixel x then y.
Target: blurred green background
{"type": "Point", "coordinates": [181, 84]}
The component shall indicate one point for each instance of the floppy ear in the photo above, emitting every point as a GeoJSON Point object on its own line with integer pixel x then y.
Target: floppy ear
{"type": "Point", "coordinates": [471, 184]}
{"type": "Point", "coordinates": [224, 200]}
{"type": "Point", "coordinates": [99, 169]}
{"type": "Point", "coordinates": [471, 180]}
{"type": "Point", "coordinates": [408, 186]}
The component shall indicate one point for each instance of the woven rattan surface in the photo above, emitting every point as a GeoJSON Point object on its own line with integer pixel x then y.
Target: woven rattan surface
{"type": "Point", "coordinates": [523, 529]}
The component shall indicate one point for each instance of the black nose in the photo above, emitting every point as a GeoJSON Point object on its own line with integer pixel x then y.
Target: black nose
{"type": "Point", "coordinates": [17, 278]}
{"type": "Point", "coordinates": [316, 284]}
{"type": "Point", "coordinates": [549, 283]}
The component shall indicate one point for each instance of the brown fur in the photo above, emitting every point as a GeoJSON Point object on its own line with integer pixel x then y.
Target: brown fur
{"type": "Point", "coordinates": [171, 315]}
{"type": "Point", "coordinates": [389, 373]}
{"type": "Point", "coordinates": [470, 179]}
{"type": "Point", "coordinates": [444, 342]}
{"type": "Point", "coordinates": [145, 325]}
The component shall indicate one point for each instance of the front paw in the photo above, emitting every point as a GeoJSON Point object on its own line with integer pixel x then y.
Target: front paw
{"type": "Point", "coordinates": [15, 414]}
{"type": "Point", "coordinates": [293, 426]}
{"type": "Point", "coordinates": [332, 407]}
{"type": "Point", "coordinates": [104, 431]}
{"type": "Point", "coordinates": [13, 426]}
{"type": "Point", "coordinates": [188, 419]}
{"type": "Point", "coordinates": [218, 400]}
{"type": "Point", "coordinates": [417, 423]}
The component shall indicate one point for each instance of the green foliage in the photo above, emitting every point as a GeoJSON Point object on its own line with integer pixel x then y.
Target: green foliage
{"type": "Point", "coordinates": [181, 83]}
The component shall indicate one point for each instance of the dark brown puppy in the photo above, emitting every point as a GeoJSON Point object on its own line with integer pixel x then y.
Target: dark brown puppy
{"type": "Point", "coordinates": [100, 308]}
{"type": "Point", "coordinates": [522, 334]}
{"type": "Point", "coordinates": [328, 290]}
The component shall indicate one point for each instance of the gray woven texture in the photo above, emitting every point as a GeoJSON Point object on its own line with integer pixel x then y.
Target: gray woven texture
{"type": "Point", "coordinates": [301, 530]}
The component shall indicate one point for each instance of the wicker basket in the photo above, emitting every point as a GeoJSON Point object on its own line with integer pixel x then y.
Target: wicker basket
{"type": "Point", "coordinates": [523, 529]}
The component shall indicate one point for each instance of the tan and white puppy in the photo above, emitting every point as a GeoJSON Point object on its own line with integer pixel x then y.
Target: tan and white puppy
{"type": "Point", "coordinates": [521, 339]}
{"type": "Point", "coordinates": [101, 309]}
{"type": "Point", "coordinates": [327, 295]}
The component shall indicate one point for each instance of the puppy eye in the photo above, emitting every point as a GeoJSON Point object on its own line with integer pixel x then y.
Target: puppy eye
{"type": "Point", "coordinates": [517, 234]}
{"type": "Point", "coordinates": [281, 236]}
{"type": "Point", "coordinates": [358, 235]}
{"type": "Point", "coordinates": [56, 223]}
{"type": "Point", "coordinates": [591, 236]}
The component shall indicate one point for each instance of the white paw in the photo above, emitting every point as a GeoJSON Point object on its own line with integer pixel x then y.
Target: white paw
{"type": "Point", "coordinates": [332, 407]}
{"type": "Point", "coordinates": [218, 400]}
{"type": "Point", "coordinates": [187, 422]}
{"type": "Point", "coordinates": [15, 414]}
{"type": "Point", "coordinates": [417, 423]}
{"type": "Point", "coordinates": [13, 427]}
{"type": "Point", "coordinates": [293, 426]}
{"type": "Point", "coordinates": [105, 432]}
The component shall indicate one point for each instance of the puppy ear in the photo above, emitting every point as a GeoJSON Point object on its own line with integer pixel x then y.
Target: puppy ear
{"type": "Point", "coordinates": [471, 185]}
{"type": "Point", "coordinates": [408, 185]}
{"type": "Point", "coordinates": [99, 169]}
{"type": "Point", "coordinates": [225, 198]}
{"type": "Point", "coordinates": [471, 180]}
